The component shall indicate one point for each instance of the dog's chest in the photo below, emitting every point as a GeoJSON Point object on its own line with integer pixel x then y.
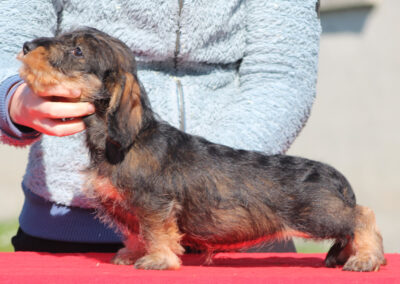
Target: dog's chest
{"type": "Point", "coordinates": [101, 189]}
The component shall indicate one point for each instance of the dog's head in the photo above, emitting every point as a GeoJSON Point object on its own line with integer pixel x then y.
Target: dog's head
{"type": "Point", "coordinates": [101, 66]}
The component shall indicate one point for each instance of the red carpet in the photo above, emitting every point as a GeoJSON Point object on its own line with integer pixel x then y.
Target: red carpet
{"type": "Point", "coordinates": [29, 267]}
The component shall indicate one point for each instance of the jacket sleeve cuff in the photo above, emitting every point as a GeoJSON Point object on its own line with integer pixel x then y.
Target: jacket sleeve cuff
{"type": "Point", "coordinates": [11, 133]}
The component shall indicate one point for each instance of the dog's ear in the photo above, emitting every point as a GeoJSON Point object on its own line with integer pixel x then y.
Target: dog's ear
{"type": "Point", "coordinates": [124, 114]}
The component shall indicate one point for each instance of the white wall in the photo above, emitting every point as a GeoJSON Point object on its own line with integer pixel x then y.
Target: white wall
{"type": "Point", "coordinates": [354, 124]}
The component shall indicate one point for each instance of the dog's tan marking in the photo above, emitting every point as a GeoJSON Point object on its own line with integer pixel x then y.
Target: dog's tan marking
{"type": "Point", "coordinates": [36, 70]}
{"type": "Point", "coordinates": [40, 75]}
{"type": "Point", "coordinates": [124, 114]}
{"type": "Point", "coordinates": [105, 189]}
{"type": "Point", "coordinates": [133, 250]}
{"type": "Point", "coordinates": [112, 200]}
{"type": "Point", "coordinates": [131, 97]}
{"type": "Point", "coordinates": [162, 237]}
{"type": "Point", "coordinates": [366, 249]}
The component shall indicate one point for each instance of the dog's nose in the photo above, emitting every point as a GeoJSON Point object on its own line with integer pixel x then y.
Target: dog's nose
{"type": "Point", "coordinates": [28, 46]}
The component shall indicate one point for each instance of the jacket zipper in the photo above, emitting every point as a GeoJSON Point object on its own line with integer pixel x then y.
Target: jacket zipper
{"type": "Point", "coordinates": [181, 104]}
{"type": "Point", "coordinates": [178, 82]}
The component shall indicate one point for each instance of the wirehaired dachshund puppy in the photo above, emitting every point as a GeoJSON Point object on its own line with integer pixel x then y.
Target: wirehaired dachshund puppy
{"type": "Point", "coordinates": [164, 188]}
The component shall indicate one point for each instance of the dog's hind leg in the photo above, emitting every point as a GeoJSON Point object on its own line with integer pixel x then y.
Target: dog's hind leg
{"type": "Point", "coordinates": [365, 248]}
{"type": "Point", "coordinates": [337, 254]}
{"type": "Point", "coordinates": [162, 242]}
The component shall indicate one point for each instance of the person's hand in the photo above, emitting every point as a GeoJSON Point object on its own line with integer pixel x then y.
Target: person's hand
{"type": "Point", "coordinates": [54, 112]}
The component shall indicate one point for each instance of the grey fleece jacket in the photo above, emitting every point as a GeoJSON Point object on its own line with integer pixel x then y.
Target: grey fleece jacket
{"type": "Point", "coordinates": [240, 73]}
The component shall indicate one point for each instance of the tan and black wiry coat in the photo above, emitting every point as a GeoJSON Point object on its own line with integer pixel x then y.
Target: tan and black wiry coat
{"type": "Point", "coordinates": [164, 188]}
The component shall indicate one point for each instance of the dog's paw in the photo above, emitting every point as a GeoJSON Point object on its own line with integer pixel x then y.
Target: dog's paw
{"type": "Point", "coordinates": [125, 257]}
{"type": "Point", "coordinates": [364, 263]}
{"type": "Point", "coordinates": [331, 262]}
{"type": "Point", "coordinates": [158, 261]}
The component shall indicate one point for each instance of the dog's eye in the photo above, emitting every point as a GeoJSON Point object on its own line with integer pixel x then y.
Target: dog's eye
{"type": "Point", "coordinates": [77, 52]}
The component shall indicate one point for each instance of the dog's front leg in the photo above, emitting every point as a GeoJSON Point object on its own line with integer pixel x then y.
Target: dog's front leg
{"type": "Point", "coordinates": [133, 250]}
{"type": "Point", "coordinates": [160, 234]}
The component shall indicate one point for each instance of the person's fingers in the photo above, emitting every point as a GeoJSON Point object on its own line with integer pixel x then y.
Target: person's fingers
{"type": "Point", "coordinates": [60, 91]}
{"type": "Point", "coordinates": [55, 110]}
{"type": "Point", "coordinates": [58, 127]}
{"type": "Point", "coordinates": [47, 116]}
